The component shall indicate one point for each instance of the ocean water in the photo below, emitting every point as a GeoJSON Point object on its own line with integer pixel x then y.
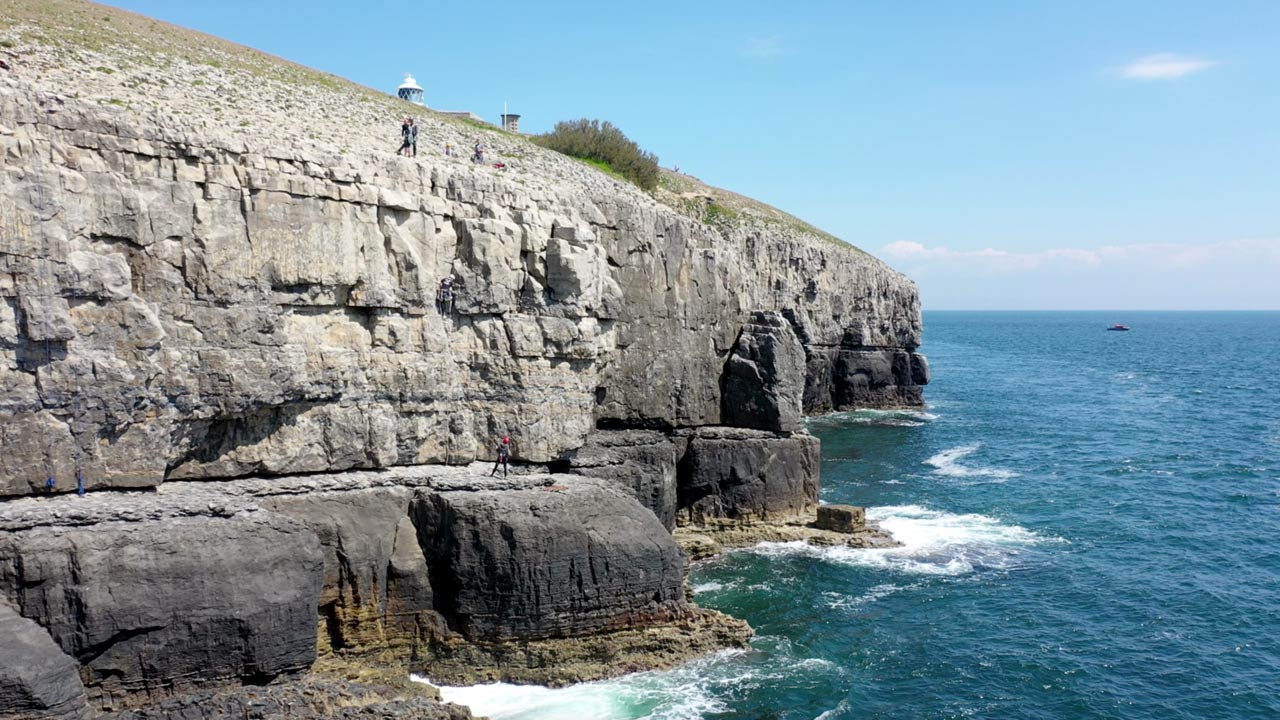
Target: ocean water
{"type": "Point", "coordinates": [1091, 523]}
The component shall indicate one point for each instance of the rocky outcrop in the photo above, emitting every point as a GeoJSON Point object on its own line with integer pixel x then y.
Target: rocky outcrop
{"type": "Point", "coordinates": [642, 461]}
{"type": "Point", "coordinates": [376, 590]}
{"type": "Point", "coordinates": [149, 609]}
{"type": "Point", "coordinates": [748, 475]}
{"type": "Point", "coordinates": [527, 564]}
{"type": "Point", "coordinates": [315, 698]}
{"type": "Point", "coordinates": [143, 596]}
{"type": "Point", "coordinates": [763, 382]}
{"type": "Point", "coordinates": [36, 678]}
{"type": "Point", "coordinates": [862, 377]}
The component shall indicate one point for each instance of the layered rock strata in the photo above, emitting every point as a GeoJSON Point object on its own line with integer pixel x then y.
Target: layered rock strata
{"type": "Point", "coordinates": [177, 304]}
{"type": "Point", "coordinates": [142, 596]}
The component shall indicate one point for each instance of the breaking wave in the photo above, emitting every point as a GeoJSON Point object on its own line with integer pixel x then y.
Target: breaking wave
{"type": "Point", "coordinates": [689, 692]}
{"type": "Point", "coordinates": [934, 542]}
{"type": "Point", "coordinates": [889, 418]}
{"type": "Point", "coordinates": [947, 463]}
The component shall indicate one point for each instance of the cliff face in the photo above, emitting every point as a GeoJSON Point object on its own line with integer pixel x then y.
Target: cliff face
{"type": "Point", "coordinates": [173, 306]}
{"type": "Point", "coordinates": [191, 301]}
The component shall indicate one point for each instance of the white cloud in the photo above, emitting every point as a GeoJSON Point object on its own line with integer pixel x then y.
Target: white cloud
{"type": "Point", "coordinates": [1164, 66]}
{"type": "Point", "coordinates": [1238, 274]}
{"type": "Point", "coordinates": [1150, 256]}
{"type": "Point", "coordinates": [990, 258]}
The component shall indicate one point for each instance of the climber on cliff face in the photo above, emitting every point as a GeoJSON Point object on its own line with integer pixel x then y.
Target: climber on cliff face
{"type": "Point", "coordinates": [504, 454]}
{"type": "Point", "coordinates": [444, 298]}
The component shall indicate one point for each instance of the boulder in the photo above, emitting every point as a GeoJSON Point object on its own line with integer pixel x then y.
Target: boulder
{"type": "Point", "coordinates": [747, 475]}
{"type": "Point", "coordinates": [37, 680]}
{"type": "Point", "coordinates": [842, 518]}
{"type": "Point", "coordinates": [527, 563]}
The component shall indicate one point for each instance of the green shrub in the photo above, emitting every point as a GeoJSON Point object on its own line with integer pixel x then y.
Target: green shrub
{"type": "Point", "coordinates": [600, 142]}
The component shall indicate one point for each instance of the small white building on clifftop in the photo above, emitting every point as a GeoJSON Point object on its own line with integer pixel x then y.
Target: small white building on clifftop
{"type": "Point", "coordinates": [410, 90]}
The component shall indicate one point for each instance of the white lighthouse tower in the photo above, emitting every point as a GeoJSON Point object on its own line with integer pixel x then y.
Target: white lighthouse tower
{"type": "Point", "coordinates": [410, 90]}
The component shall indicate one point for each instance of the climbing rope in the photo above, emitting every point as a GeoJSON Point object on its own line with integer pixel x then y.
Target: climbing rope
{"type": "Point", "coordinates": [47, 288]}
{"type": "Point", "coordinates": [44, 290]}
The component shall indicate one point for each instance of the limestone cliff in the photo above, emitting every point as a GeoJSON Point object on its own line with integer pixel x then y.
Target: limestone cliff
{"type": "Point", "coordinates": [213, 268]}
{"type": "Point", "coordinates": [176, 306]}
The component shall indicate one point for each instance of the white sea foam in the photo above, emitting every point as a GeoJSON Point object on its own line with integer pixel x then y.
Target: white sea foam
{"type": "Point", "coordinates": [708, 587]}
{"type": "Point", "coordinates": [652, 696]}
{"type": "Point", "coordinates": [840, 601]}
{"type": "Point", "coordinates": [891, 418]}
{"type": "Point", "coordinates": [947, 463]}
{"type": "Point", "coordinates": [835, 712]}
{"type": "Point", "coordinates": [502, 701]}
{"type": "Point", "coordinates": [933, 543]}
{"type": "Point", "coordinates": [684, 693]}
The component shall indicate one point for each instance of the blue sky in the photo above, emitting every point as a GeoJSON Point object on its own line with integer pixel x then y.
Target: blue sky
{"type": "Point", "coordinates": [1005, 154]}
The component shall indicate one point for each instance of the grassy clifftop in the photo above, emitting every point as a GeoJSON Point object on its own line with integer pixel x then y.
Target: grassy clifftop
{"type": "Point", "coordinates": [146, 66]}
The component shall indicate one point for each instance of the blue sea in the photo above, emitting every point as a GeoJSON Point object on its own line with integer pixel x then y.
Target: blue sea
{"type": "Point", "coordinates": [1091, 523]}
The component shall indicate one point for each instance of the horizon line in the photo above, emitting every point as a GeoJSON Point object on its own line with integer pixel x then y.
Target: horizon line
{"type": "Point", "coordinates": [1102, 310]}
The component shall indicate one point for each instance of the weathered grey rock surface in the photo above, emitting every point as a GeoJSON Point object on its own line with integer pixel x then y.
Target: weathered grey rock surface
{"type": "Point", "coordinates": [178, 304]}
{"type": "Point", "coordinates": [36, 678]}
{"type": "Point", "coordinates": [748, 475]}
{"type": "Point", "coordinates": [142, 596]}
{"type": "Point", "coordinates": [643, 461]}
{"type": "Point", "coordinates": [764, 377]}
{"type": "Point", "coordinates": [148, 609]}
{"type": "Point", "coordinates": [541, 562]}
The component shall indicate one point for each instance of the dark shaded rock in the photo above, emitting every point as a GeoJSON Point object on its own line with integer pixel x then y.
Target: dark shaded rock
{"type": "Point", "coordinates": [547, 562]}
{"type": "Point", "coordinates": [376, 586]}
{"type": "Point", "coordinates": [919, 369]}
{"type": "Point", "coordinates": [850, 378]}
{"type": "Point", "coordinates": [841, 518]}
{"type": "Point", "coordinates": [764, 377]}
{"type": "Point", "coordinates": [740, 474]}
{"type": "Point", "coordinates": [36, 679]}
{"type": "Point", "coordinates": [643, 461]}
{"type": "Point", "coordinates": [156, 608]}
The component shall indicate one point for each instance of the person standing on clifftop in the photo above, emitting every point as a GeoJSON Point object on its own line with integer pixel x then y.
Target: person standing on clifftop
{"type": "Point", "coordinates": [504, 454]}
{"type": "Point", "coordinates": [404, 137]}
{"type": "Point", "coordinates": [409, 136]}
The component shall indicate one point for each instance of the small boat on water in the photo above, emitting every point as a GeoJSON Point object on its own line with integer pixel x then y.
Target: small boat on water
{"type": "Point", "coordinates": [1118, 327]}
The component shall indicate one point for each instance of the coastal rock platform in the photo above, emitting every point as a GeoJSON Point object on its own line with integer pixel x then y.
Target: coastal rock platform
{"type": "Point", "coordinates": [205, 585]}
